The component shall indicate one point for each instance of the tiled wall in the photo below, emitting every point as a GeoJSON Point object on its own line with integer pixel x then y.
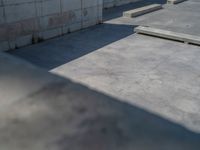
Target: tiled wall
{"type": "Point", "coordinates": [23, 22]}
{"type": "Point", "coordinates": [112, 3]}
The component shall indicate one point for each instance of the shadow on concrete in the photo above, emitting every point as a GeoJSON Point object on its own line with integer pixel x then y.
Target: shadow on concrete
{"type": "Point", "coordinates": [116, 12]}
{"type": "Point", "coordinates": [58, 51]}
{"type": "Point", "coordinates": [107, 123]}
{"type": "Point", "coordinates": [66, 115]}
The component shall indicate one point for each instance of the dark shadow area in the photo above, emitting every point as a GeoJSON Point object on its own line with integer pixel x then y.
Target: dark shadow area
{"type": "Point", "coordinates": [58, 51]}
{"type": "Point", "coordinates": [114, 124]}
{"type": "Point", "coordinates": [97, 121]}
{"type": "Point", "coordinates": [116, 12]}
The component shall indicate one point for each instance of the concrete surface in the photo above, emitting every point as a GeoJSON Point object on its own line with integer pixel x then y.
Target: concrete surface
{"type": "Point", "coordinates": [53, 113]}
{"type": "Point", "coordinates": [116, 13]}
{"type": "Point", "coordinates": [157, 75]}
{"type": "Point", "coordinates": [182, 18]}
{"type": "Point", "coordinates": [144, 92]}
{"type": "Point", "coordinates": [142, 10]}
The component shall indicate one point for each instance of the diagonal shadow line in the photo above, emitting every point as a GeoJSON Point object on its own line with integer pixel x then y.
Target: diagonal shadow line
{"type": "Point", "coordinates": [66, 115]}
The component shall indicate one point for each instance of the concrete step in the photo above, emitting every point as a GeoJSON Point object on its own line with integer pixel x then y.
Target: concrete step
{"type": "Point", "coordinates": [174, 1]}
{"type": "Point", "coordinates": [187, 38]}
{"type": "Point", "coordinates": [142, 10]}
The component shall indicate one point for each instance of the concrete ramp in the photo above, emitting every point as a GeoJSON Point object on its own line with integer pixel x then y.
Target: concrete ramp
{"type": "Point", "coordinates": [186, 38]}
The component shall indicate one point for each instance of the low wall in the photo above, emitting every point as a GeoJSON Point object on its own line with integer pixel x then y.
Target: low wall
{"type": "Point", "coordinates": [23, 22]}
{"type": "Point", "coordinates": [112, 3]}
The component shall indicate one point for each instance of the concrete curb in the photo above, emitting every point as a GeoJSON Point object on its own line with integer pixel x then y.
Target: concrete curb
{"type": "Point", "coordinates": [174, 1]}
{"type": "Point", "coordinates": [142, 10]}
{"type": "Point", "coordinates": [187, 38]}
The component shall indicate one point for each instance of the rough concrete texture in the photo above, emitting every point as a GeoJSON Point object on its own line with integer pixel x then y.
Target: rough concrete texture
{"type": "Point", "coordinates": [144, 92]}
{"type": "Point", "coordinates": [26, 22]}
{"type": "Point", "coordinates": [63, 115]}
{"type": "Point", "coordinates": [158, 75]}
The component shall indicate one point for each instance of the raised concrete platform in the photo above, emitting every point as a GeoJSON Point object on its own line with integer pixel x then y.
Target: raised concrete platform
{"type": "Point", "coordinates": [174, 1]}
{"type": "Point", "coordinates": [186, 38]}
{"type": "Point", "coordinates": [142, 10]}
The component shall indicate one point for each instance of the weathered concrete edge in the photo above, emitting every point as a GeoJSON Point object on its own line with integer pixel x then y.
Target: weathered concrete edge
{"type": "Point", "coordinates": [142, 10]}
{"type": "Point", "coordinates": [174, 1]}
{"type": "Point", "coordinates": [187, 38]}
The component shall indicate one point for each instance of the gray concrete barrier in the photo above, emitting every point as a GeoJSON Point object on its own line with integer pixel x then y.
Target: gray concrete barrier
{"type": "Point", "coordinates": [174, 1]}
{"type": "Point", "coordinates": [142, 10]}
{"type": "Point", "coordinates": [168, 34]}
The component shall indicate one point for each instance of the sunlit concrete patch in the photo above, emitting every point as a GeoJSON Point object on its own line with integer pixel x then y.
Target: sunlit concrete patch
{"type": "Point", "coordinates": [156, 71]}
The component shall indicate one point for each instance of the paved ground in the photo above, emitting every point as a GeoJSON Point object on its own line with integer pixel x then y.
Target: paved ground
{"type": "Point", "coordinates": [160, 76]}
{"type": "Point", "coordinates": [40, 111]}
{"type": "Point", "coordinates": [183, 18]}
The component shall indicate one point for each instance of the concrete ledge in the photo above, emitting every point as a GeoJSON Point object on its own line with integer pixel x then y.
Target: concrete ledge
{"type": "Point", "coordinates": [174, 1]}
{"type": "Point", "coordinates": [187, 38]}
{"type": "Point", "coordinates": [142, 10]}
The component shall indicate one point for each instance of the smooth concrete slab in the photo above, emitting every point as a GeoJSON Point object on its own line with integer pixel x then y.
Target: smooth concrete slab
{"type": "Point", "coordinates": [186, 38]}
{"type": "Point", "coordinates": [142, 10]}
{"type": "Point", "coordinates": [174, 1]}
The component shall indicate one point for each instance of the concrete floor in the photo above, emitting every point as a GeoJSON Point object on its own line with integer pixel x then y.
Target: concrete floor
{"type": "Point", "coordinates": [183, 18]}
{"type": "Point", "coordinates": [41, 111]}
{"type": "Point", "coordinates": [160, 76]}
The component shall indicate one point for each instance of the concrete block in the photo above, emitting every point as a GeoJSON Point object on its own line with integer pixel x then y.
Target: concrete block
{"type": "Point", "coordinates": [68, 5]}
{"type": "Point", "coordinates": [142, 10]}
{"type": "Point", "coordinates": [48, 34]}
{"type": "Point", "coordinates": [2, 19]}
{"type": "Point", "coordinates": [71, 28]}
{"type": "Point", "coordinates": [19, 12]}
{"type": "Point", "coordinates": [4, 46]}
{"type": "Point", "coordinates": [17, 2]}
{"type": "Point", "coordinates": [50, 7]}
{"type": "Point", "coordinates": [187, 38]}
{"type": "Point", "coordinates": [174, 1]}
{"type": "Point", "coordinates": [23, 41]}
